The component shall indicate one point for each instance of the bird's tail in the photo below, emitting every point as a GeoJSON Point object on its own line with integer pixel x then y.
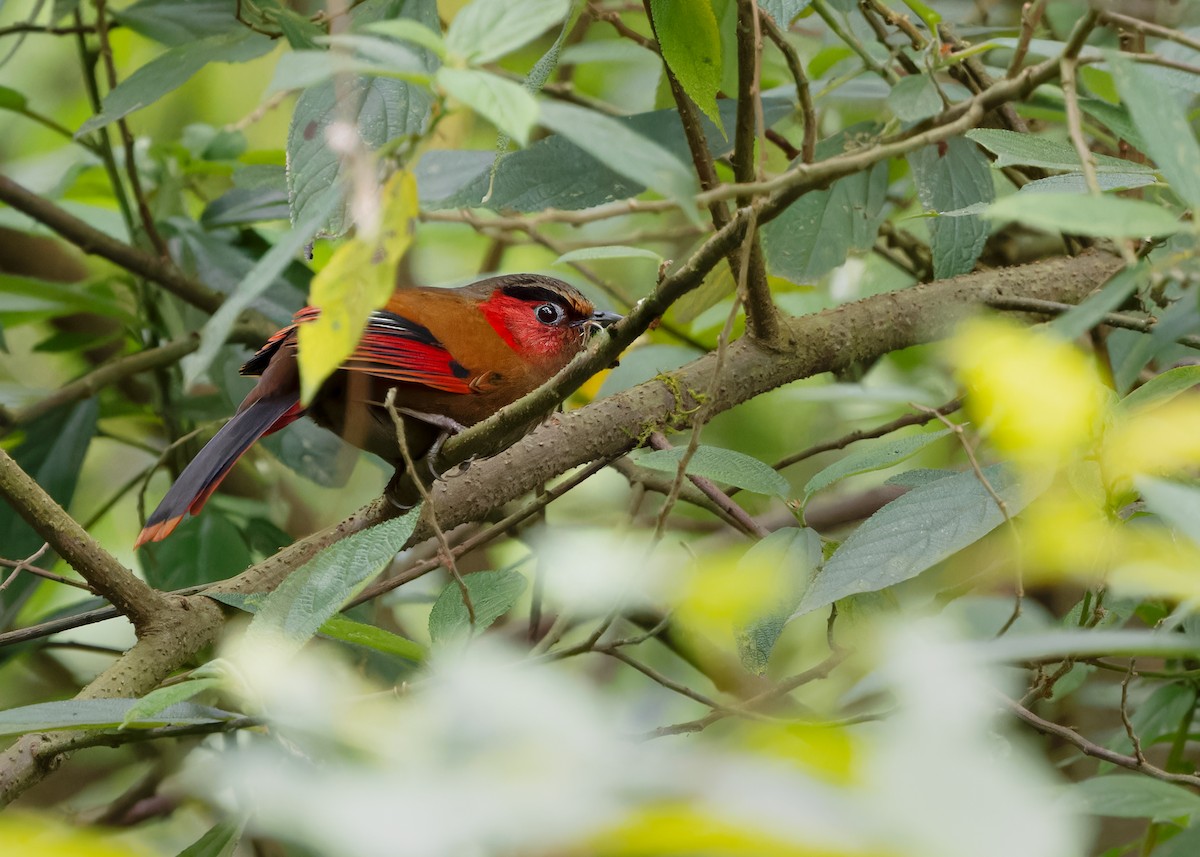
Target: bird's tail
{"type": "Point", "coordinates": [205, 472]}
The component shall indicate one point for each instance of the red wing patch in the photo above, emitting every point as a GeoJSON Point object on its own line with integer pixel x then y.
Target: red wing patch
{"type": "Point", "coordinates": [399, 349]}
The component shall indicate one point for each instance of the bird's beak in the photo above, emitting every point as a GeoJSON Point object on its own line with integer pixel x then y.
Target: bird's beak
{"type": "Point", "coordinates": [600, 320]}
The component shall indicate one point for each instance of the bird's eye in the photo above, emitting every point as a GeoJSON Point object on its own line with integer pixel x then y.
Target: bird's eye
{"type": "Point", "coordinates": [549, 314]}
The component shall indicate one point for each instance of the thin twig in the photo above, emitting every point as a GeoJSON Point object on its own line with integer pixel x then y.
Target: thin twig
{"type": "Point", "coordinates": [745, 520]}
{"type": "Point", "coordinates": [1149, 29]}
{"type": "Point", "coordinates": [24, 565]}
{"type": "Point", "coordinates": [808, 145]}
{"type": "Point", "coordinates": [1031, 16]}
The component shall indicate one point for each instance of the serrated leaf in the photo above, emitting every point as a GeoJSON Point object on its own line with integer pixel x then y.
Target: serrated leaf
{"type": "Point", "coordinates": [798, 551]}
{"type": "Point", "coordinates": [721, 465]}
{"type": "Point", "coordinates": [361, 634]}
{"type": "Point", "coordinates": [100, 714]}
{"type": "Point", "coordinates": [356, 281]}
{"type": "Point", "coordinates": [873, 455]}
{"type": "Point", "coordinates": [492, 593]}
{"type": "Point", "coordinates": [217, 841]}
{"type": "Point", "coordinates": [507, 105]}
{"type": "Point", "coordinates": [691, 47]}
{"type": "Point", "coordinates": [381, 109]}
{"type": "Point", "coordinates": [612, 251]}
{"type": "Point", "coordinates": [171, 70]}
{"type": "Point", "coordinates": [914, 98]}
{"type": "Point", "coordinates": [1032, 150]}
{"type": "Point", "coordinates": [1160, 389]}
{"type": "Point", "coordinates": [625, 151]}
{"type": "Point", "coordinates": [485, 30]}
{"type": "Point", "coordinates": [947, 179]}
{"type": "Point", "coordinates": [915, 532]}
{"type": "Point", "coordinates": [313, 593]}
{"type": "Point", "coordinates": [1135, 796]}
{"type": "Point", "coordinates": [1097, 216]}
{"type": "Point", "coordinates": [1164, 127]}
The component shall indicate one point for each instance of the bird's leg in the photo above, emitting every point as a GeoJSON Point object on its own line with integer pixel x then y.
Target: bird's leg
{"type": "Point", "coordinates": [449, 427]}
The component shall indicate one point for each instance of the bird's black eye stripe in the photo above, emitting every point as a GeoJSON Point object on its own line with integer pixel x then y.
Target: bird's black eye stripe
{"type": "Point", "coordinates": [533, 293]}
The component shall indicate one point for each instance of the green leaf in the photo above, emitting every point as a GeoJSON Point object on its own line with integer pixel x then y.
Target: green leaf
{"type": "Point", "coordinates": [874, 455]}
{"type": "Point", "coordinates": [51, 452]}
{"type": "Point", "coordinates": [784, 11]}
{"type": "Point", "coordinates": [1077, 182]}
{"type": "Point", "coordinates": [625, 151]}
{"type": "Point", "coordinates": [691, 47]}
{"type": "Point", "coordinates": [485, 30]}
{"type": "Point", "coordinates": [261, 277]}
{"type": "Point", "coordinates": [947, 179]}
{"type": "Point", "coordinates": [817, 232]}
{"type": "Point", "coordinates": [915, 532]}
{"type": "Point", "coordinates": [173, 23]}
{"type": "Point", "coordinates": [1164, 127]}
{"type": "Point", "coordinates": [408, 30]}
{"type": "Point", "coordinates": [171, 70]}
{"type": "Point", "coordinates": [10, 99]}
{"type": "Point", "coordinates": [159, 700]}
{"type": "Point", "coordinates": [507, 105]}
{"type": "Point", "coordinates": [798, 551]}
{"type": "Point", "coordinates": [25, 299]}
{"type": "Point", "coordinates": [721, 465]}
{"type": "Point", "coordinates": [1158, 717]}
{"type": "Point", "coordinates": [1098, 216]}
{"type": "Point", "coordinates": [313, 593]}
{"type": "Point", "coordinates": [361, 634]}
{"type": "Point", "coordinates": [1177, 504]}
{"type": "Point", "coordinates": [1160, 389]}
{"type": "Point", "coordinates": [100, 714]}
{"type": "Point", "coordinates": [1091, 311]}
{"type": "Point", "coordinates": [914, 98]}
{"type": "Point", "coordinates": [1135, 796]}
{"type": "Point", "coordinates": [1033, 150]}
{"type": "Point", "coordinates": [612, 251]}
{"type": "Point", "coordinates": [492, 593]}
{"type": "Point", "coordinates": [556, 173]}
{"type": "Point", "coordinates": [218, 841]}
{"type": "Point", "coordinates": [203, 549]}
{"type": "Point", "coordinates": [1185, 844]}
{"type": "Point", "coordinates": [1016, 648]}
{"type": "Point", "coordinates": [382, 109]}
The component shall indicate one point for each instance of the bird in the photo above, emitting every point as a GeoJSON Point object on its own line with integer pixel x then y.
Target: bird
{"type": "Point", "coordinates": [454, 356]}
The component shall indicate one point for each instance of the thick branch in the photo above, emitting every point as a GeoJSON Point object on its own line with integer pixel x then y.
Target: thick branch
{"type": "Point", "coordinates": [94, 242]}
{"type": "Point", "coordinates": [103, 572]}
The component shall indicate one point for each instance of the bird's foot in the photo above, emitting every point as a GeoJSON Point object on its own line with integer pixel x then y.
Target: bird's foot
{"type": "Point", "coordinates": [446, 424]}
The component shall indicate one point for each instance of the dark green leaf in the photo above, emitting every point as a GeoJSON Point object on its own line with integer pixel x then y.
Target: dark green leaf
{"type": "Point", "coordinates": [52, 453]}
{"type": "Point", "coordinates": [175, 23]}
{"type": "Point", "coordinates": [721, 465]}
{"type": "Point", "coordinates": [382, 108]}
{"type": "Point", "coordinates": [1185, 844]}
{"type": "Point", "coordinates": [691, 47]}
{"type": "Point", "coordinates": [1077, 182]}
{"type": "Point", "coordinates": [1013, 149]}
{"type": "Point", "coordinates": [245, 206]}
{"type": "Point", "coordinates": [1160, 389]}
{"type": "Point", "coordinates": [872, 455]}
{"type": "Point", "coordinates": [493, 593]}
{"type": "Point", "coordinates": [313, 593]}
{"type": "Point", "coordinates": [24, 300]}
{"type": "Point", "coordinates": [10, 99]}
{"type": "Point", "coordinates": [315, 453]}
{"type": "Point", "coordinates": [555, 173]}
{"type": "Point", "coordinates": [952, 176]}
{"type": "Point", "coordinates": [625, 151]}
{"type": "Point", "coordinates": [914, 532]}
{"type": "Point", "coordinates": [173, 69]}
{"type": "Point", "coordinates": [160, 699]}
{"type": "Point", "coordinates": [1091, 311]}
{"type": "Point", "coordinates": [202, 549]}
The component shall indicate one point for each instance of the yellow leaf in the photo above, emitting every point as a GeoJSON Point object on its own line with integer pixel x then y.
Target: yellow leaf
{"type": "Point", "coordinates": [1155, 440]}
{"type": "Point", "coordinates": [1040, 398]}
{"type": "Point", "coordinates": [358, 280]}
{"type": "Point", "coordinates": [26, 833]}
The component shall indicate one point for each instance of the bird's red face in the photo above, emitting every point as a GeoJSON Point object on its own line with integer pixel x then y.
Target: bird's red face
{"type": "Point", "coordinates": [543, 325]}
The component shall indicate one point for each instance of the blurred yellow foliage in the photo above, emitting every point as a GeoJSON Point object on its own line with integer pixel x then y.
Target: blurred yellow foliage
{"type": "Point", "coordinates": [39, 836]}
